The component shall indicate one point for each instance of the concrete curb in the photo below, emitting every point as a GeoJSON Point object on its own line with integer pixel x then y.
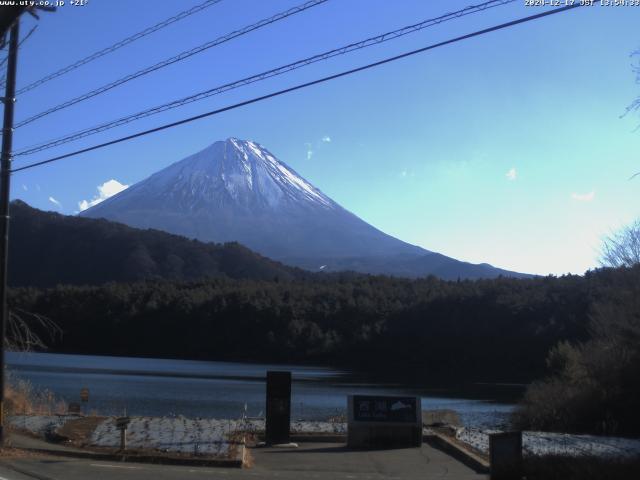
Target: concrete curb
{"type": "Point", "coordinates": [237, 462]}
{"type": "Point", "coordinates": [312, 437]}
{"type": "Point", "coordinates": [319, 437]}
{"type": "Point", "coordinates": [470, 459]}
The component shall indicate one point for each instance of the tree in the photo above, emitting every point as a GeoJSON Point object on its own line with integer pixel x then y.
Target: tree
{"type": "Point", "coordinates": [28, 331]}
{"type": "Point", "coordinates": [592, 385]}
{"type": "Point", "coordinates": [635, 105]}
{"type": "Point", "coordinates": [622, 249]}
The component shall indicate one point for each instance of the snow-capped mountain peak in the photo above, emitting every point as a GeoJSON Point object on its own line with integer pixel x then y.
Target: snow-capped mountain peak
{"type": "Point", "coordinates": [240, 172]}
{"type": "Point", "coordinates": [262, 168]}
{"type": "Point", "coordinates": [237, 190]}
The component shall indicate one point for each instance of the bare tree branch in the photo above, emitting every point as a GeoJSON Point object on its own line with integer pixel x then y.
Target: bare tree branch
{"type": "Point", "coordinates": [22, 327]}
{"type": "Point", "coordinates": [622, 249]}
{"type": "Point", "coordinates": [635, 105]}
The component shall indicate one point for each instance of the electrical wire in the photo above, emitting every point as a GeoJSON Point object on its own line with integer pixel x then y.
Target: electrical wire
{"type": "Point", "coordinates": [301, 86]}
{"type": "Point", "coordinates": [126, 41]}
{"type": "Point", "coordinates": [261, 76]}
{"type": "Point", "coordinates": [4, 60]}
{"type": "Point", "coordinates": [176, 58]}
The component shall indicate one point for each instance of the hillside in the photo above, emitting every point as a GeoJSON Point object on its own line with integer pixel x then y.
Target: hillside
{"type": "Point", "coordinates": [47, 248]}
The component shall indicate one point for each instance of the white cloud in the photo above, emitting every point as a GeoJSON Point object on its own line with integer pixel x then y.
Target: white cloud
{"type": "Point", "coordinates": [55, 202]}
{"type": "Point", "coordinates": [309, 151]}
{"type": "Point", "coordinates": [316, 145]}
{"type": "Point", "coordinates": [583, 197]}
{"type": "Point", "coordinates": [24, 187]}
{"type": "Point", "coordinates": [511, 174]}
{"type": "Point", "coordinates": [106, 190]}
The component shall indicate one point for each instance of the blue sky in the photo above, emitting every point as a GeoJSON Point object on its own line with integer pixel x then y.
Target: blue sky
{"type": "Point", "coordinates": [507, 148]}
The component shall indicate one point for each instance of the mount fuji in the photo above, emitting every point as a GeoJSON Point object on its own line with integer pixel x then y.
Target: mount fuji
{"type": "Point", "coordinates": [237, 190]}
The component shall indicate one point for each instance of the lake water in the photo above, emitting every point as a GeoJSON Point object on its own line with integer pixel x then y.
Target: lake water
{"type": "Point", "coordinates": [159, 387]}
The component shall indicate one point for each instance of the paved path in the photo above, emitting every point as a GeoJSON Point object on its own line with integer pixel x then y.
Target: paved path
{"type": "Point", "coordinates": [319, 461]}
{"type": "Point", "coordinates": [330, 460]}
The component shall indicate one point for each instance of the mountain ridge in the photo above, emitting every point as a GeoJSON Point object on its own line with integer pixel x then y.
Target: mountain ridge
{"type": "Point", "coordinates": [47, 248]}
{"type": "Point", "coordinates": [237, 190]}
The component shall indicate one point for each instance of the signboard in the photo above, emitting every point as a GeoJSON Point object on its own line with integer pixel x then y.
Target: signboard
{"type": "Point", "coordinates": [278, 407]}
{"type": "Point", "coordinates": [84, 395]}
{"type": "Point", "coordinates": [505, 453]}
{"type": "Point", "coordinates": [384, 409]}
{"type": "Point", "coordinates": [376, 421]}
{"type": "Point", "coordinates": [122, 423]}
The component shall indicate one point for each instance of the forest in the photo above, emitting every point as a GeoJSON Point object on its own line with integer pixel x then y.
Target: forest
{"type": "Point", "coordinates": [483, 330]}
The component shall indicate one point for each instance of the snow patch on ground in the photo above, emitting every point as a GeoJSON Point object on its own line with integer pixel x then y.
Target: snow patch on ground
{"type": "Point", "coordinates": [180, 434]}
{"type": "Point", "coordinates": [195, 436]}
{"type": "Point", "coordinates": [39, 424]}
{"type": "Point", "coordinates": [544, 443]}
{"type": "Point", "coordinates": [214, 437]}
{"type": "Point", "coordinates": [299, 426]}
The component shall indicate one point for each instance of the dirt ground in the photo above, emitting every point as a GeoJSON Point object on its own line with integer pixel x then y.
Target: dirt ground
{"type": "Point", "coordinates": [79, 430]}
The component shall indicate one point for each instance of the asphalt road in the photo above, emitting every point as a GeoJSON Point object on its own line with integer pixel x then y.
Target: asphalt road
{"type": "Point", "coordinates": [310, 462]}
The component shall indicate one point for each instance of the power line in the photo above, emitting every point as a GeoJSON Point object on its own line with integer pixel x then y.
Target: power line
{"type": "Point", "coordinates": [262, 76]}
{"type": "Point", "coordinates": [301, 86]}
{"type": "Point", "coordinates": [176, 58]}
{"type": "Point", "coordinates": [4, 60]}
{"type": "Point", "coordinates": [26, 37]}
{"type": "Point", "coordinates": [126, 41]}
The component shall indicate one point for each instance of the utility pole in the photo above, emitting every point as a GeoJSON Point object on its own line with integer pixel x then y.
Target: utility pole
{"type": "Point", "coordinates": [5, 185]}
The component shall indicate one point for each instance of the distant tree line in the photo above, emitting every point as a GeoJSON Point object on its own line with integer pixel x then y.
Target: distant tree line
{"type": "Point", "coordinates": [434, 330]}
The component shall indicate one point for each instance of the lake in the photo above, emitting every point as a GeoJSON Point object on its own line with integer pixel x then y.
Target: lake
{"type": "Point", "coordinates": [159, 387]}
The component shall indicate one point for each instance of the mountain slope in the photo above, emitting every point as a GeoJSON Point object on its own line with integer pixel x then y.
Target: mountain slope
{"type": "Point", "coordinates": [409, 266]}
{"type": "Point", "coordinates": [236, 190]}
{"type": "Point", "coordinates": [48, 248]}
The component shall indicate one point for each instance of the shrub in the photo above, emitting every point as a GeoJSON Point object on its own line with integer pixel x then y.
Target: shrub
{"type": "Point", "coordinates": [593, 386]}
{"type": "Point", "coordinates": [21, 398]}
{"type": "Point", "coordinates": [557, 467]}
